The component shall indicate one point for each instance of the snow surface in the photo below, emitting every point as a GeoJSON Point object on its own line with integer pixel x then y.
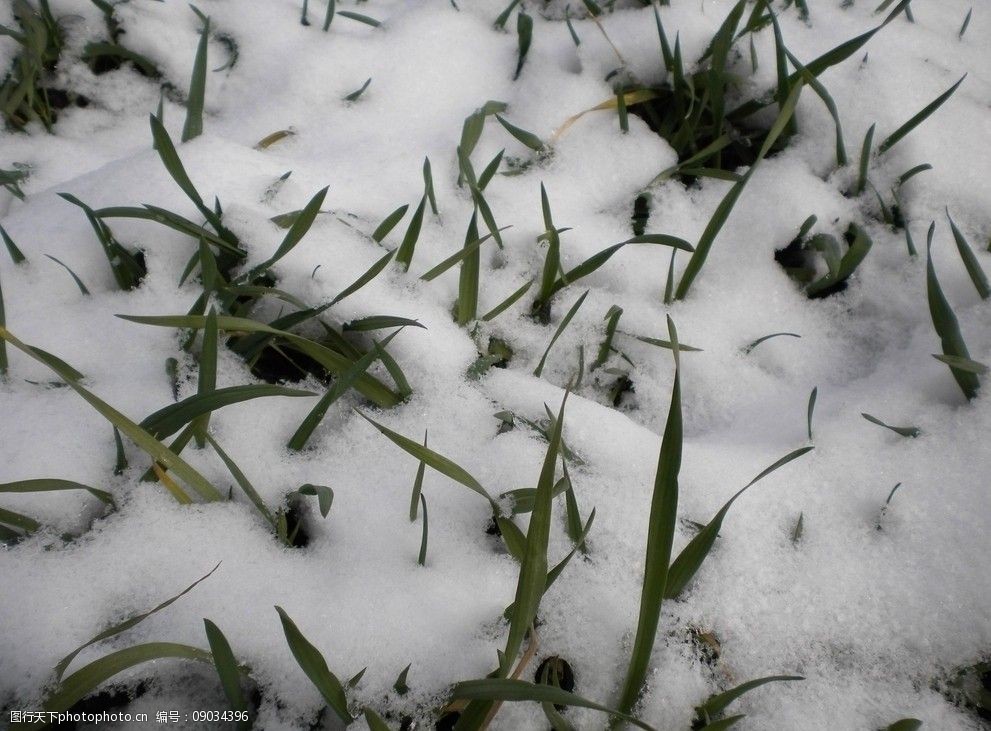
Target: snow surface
{"type": "Point", "coordinates": [869, 617]}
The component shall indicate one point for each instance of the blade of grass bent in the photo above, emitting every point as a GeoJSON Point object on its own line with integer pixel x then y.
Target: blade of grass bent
{"type": "Point", "coordinates": [557, 333]}
{"type": "Point", "coordinates": [158, 451]}
{"type": "Point", "coordinates": [418, 484]}
{"type": "Point", "coordinates": [125, 625]}
{"type": "Point", "coordinates": [207, 382]}
{"type": "Point", "coordinates": [896, 136]}
{"type": "Point", "coordinates": [948, 328]}
{"type": "Point", "coordinates": [227, 669]}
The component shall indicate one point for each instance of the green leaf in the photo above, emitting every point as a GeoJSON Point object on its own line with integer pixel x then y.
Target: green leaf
{"type": "Point", "coordinates": [125, 625]}
{"type": "Point", "coordinates": [313, 664]}
{"type": "Point", "coordinates": [557, 333]}
{"type": "Point", "coordinates": [207, 382]}
{"type": "Point", "coordinates": [421, 558]}
{"type": "Point", "coordinates": [77, 280]}
{"type": "Point", "coordinates": [690, 560]}
{"type": "Point", "coordinates": [158, 451]}
{"type": "Point", "coordinates": [723, 723]}
{"type": "Point", "coordinates": [500, 22]}
{"type": "Point", "coordinates": [4, 363]}
{"type": "Point", "coordinates": [380, 322]}
{"type": "Point", "coordinates": [974, 269]}
{"type": "Point", "coordinates": [401, 686]}
{"type": "Point", "coordinates": [529, 139]}
{"type": "Point", "coordinates": [716, 704]}
{"type": "Point", "coordinates": [12, 249]}
{"type": "Point", "coordinates": [324, 495]}
{"type": "Point", "coordinates": [389, 223]}
{"type": "Point", "coordinates": [504, 689]}
{"type": "Point", "coordinates": [173, 221]}
{"type": "Point", "coordinates": [513, 537]}
{"type": "Point", "coordinates": [88, 678]}
{"type": "Point", "coordinates": [918, 119]}
{"type": "Point", "coordinates": [328, 18]}
{"type": "Point", "coordinates": [295, 234]}
{"type": "Point", "coordinates": [760, 340]}
{"type": "Point", "coordinates": [242, 482]}
{"type": "Point", "coordinates": [725, 207]}
{"type": "Point", "coordinates": [910, 724]}
{"type": "Point", "coordinates": [948, 329]}
{"type": "Point", "coordinates": [227, 669]}
{"type": "Point", "coordinates": [432, 459]}
{"type": "Point", "coordinates": [508, 302]}
{"type": "Point", "coordinates": [811, 408]}
{"type": "Point", "coordinates": [428, 185]}
{"type": "Point", "coordinates": [964, 364]}
{"type": "Point", "coordinates": [373, 271]}
{"type": "Point", "coordinates": [339, 388]}
{"type": "Point", "coordinates": [905, 431]}
{"type": "Point", "coordinates": [54, 485]}
{"type": "Point", "coordinates": [170, 419]}
{"type": "Point", "coordinates": [418, 484]}
{"type": "Point", "coordinates": [660, 537]}
{"type": "Point", "coordinates": [356, 94]}
{"type": "Point", "coordinates": [374, 721]}
{"type": "Point", "coordinates": [197, 88]}
{"type": "Point", "coordinates": [533, 567]}
{"type": "Point", "coordinates": [405, 253]}
{"type": "Point", "coordinates": [360, 18]}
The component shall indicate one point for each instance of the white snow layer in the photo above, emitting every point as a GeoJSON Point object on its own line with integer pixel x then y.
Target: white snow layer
{"type": "Point", "coordinates": [870, 617]}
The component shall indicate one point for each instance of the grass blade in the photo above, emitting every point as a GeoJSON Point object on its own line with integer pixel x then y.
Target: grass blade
{"type": "Point", "coordinates": [313, 664]}
{"type": "Point", "coordinates": [242, 481]}
{"type": "Point", "coordinates": [718, 703]}
{"type": "Point", "coordinates": [197, 88]}
{"type": "Point", "coordinates": [360, 18]}
{"type": "Point", "coordinates": [373, 271]}
{"type": "Point", "coordinates": [437, 461]}
{"type": "Point", "coordinates": [170, 419]}
{"type": "Point", "coordinates": [418, 484]}
{"type": "Point", "coordinates": [466, 307]}
{"type": "Point", "coordinates": [207, 382]}
{"type": "Point", "coordinates": [660, 537]}
{"type": "Point", "coordinates": [812, 406]}
{"type": "Point", "coordinates": [692, 556]}
{"type": "Point", "coordinates": [158, 451]}
{"type": "Point", "coordinates": [508, 302]}
{"type": "Point", "coordinates": [125, 625]}
{"type": "Point", "coordinates": [77, 280]}
{"type": "Point", "coordinates": [905, 431]}
{"type": "Point", "coordinates": [974, 269]}
{"type": "Point", "coordinates": [428, 185]}
{"type": "Point", "coordinates": [896, 136]}
{"type": "Point", "coordinates": [88, 678]}
{"type": "Point", "coordinates": [405, 253]}
{"type": "Point", "coordinates": [758, 341]}
{"type": "Point", "coordinates": [54, 485]}
{"type": "Point", "coordinates": [533, 568]}
{"type": "Point", "coordinates": [947, 327]}
{"type": "Point", "coordinates": [389, 223]}
{"type": "Point", "coordinates": [4, 363]}
{"type": "Point", "coordinates": [339, 388]}
{"type": "Point", "coordinates": [12, 249]}
{"type": "Point", "coordinates": [227, 669]}
{"type": "Point", "coordinates": [524, 33]}
{"type": "Point", "coordinates": [529, 139]}
{"type": "Point", "coordinates": [421, 558]}
{"type": "Point", "coordinates": [557, 333]}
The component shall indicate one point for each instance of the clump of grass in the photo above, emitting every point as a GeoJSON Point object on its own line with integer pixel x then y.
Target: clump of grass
{"type": "Point", "coordinates": [11, 179]}
{"type": "Point", "coordinates": [14, 526]}
{"type": "Point", "coordinates": [800, 259]}
{"type": "Point", "coordinates": [24, 94]}
{"type": "Point", "coordinates": [128, 268]}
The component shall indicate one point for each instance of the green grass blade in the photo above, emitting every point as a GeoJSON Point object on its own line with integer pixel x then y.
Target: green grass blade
{"type": "Point", "coordinates": [524, 34]}
{"type": "Point", "coordinates": [974, 269]}
{"type": "Point", "coordinates": [338, 389]}
{"type": "Point", "coordinates": [812, 406]}
{"type": "Point", "coordinates": [692, 556]}
{"type": "Point", "coordinates": [242, 481]}
{"type": "Point", "coordinates": [533, 568]}
{"type": "Point", "coordinates": [605, 348]}
{"type": "Point", "coordinates": [125, 625]}
{"type": "Point", "coordinates": [827, 100]}
{"type": "Point", "coordinates": [660, 537]}
{"type": "Point", "coordinates": [4, 362]}
{"type": "Point", "coordinates": [23, 522]}
{"type": "Point", "coordinates": [314, 665]}
{"type": "Point", "coordinates": [76, 279]}
{"type": "Point", "coordinates": [597, 260]}
{"type": "Point", "coordinates": [865, 159]}
{"type": "Point", "coordinates": [508, 302]}
{"type": "Point", "coordinates": [418, 484]}
{"type": "Point", "coordinates": [434, 460]}
{"type": "Point", "coordinates": [760, 340]}
{"type": "Point", "coordinates": [513, 537]}
{"type": "Point", "coordinates": [963, 364]}
{"type": "Point", "coordinates": [323, 494]}
{"type": "Point", "coordinates": [12, 249]}
{"type": "Point", "coordinates": [373, 271]}
{"type": "Point", "coordinates": [170, 419]}
{"type": "Point", "coordinates": [504, 689]}
{"type": "Point", "coordinates": [54, 485]}
{"type": "Point", "coordinates": [173, 221]}
{"type": "Point", "coordinates": [295, 234]}
{"type": "Point", "coordinates": [905, 431]}
{"type": "Point", "coordinates": [158, 451]}
{"type": "Point", "coordinates": [405, 254]}
{"type": "Point", "coordinates": [328, 18]}
{"type": "Point", "coordinates": [500, 22]}
{"type": "Point", "coordinates": [197, 88]}
{"type": "Point", "coordinates": [717, 704]}
{"type": "Point", "coordinates": [374, 721]}
{"type": "Point", "coordinates": [723, 723]}
{"type": "Point", "coordinates": [557, 333]}
{"type": "Point", "coordinates": [173, 164]}
{"type": "Point", "coordinates": [466, 308]}
{"type": "Point", "coordinates": [421, 558]}
{"type": "Point", "coordinates": [389, 223]}
{"type": "Point", "coordinates": [725, 207]}
{"type": "Point", "coordinates": [529, 139]}
{"type": "Point", "coordinates": [428, 185]}
{"type": "Point", "coordinates": [909, 724]}
{"type": "Point", "coordinates": [88, 678]}
{"type": "Point", "coordinates": [207, 382]}
{"type": "Point", "coordinates": [367, 20]}
{"type": "Point", "coordinates": [552, 260]}
{"type": "Point", "coordinates": [380, 322]}
{"type": "Point", "coordinates": [356, 94]}
{"type": "Point", "coordinates": [490, 170]}
{"type": "Point", "coordinates": [896, 136]}
{"type": "Point", "coordinates": [963, 29]}
{"type": "Point", "coordinates": [227, 669]}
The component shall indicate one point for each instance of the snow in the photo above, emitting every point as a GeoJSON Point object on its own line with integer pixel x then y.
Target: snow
{"type": "Point", "coordinates": [869, 617]}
